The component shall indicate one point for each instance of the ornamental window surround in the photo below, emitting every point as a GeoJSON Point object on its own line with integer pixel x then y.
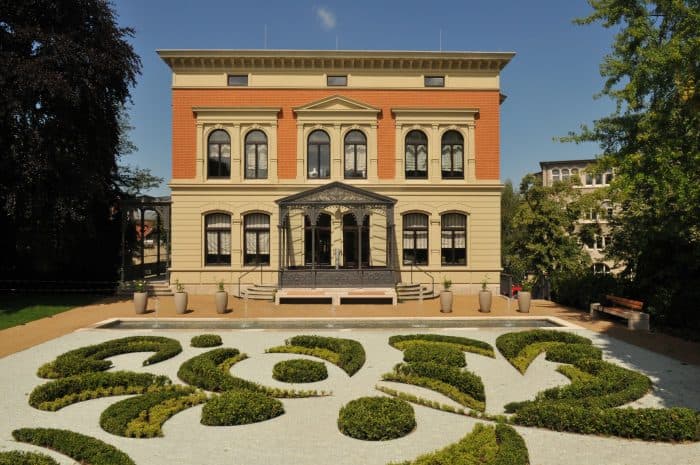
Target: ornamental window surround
{"type": "Point", "coordinates": [217, 239]}
{"type": "Point", "coordinates": [219, 155]}
{"type": "Point", "coordinates": [318, 154]}
{"type": "Point", "coordinates": [256, 155]}
{"type": "Point", "coordinates": [416, 155]}
{"type": "Point", "coordinates": [453, 240]}
{"type": "Point", "coordinates": [256, 228]}
{"type": "Point", "coordinates": [415, 239]}
{"type": "Point", "coordinates": [355, 155]}
{"type": "Point", "coordinates": [452, 155]}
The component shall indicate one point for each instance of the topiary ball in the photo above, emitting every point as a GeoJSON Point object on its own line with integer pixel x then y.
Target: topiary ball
{"type": "Point", "coordinates": [240, 407]}
{"type": "Point", "coordinates": [299, 371]}
{"type": "Point", "coordinates": [206, 340]}
{"type": "Point", "coordinates": [376, 418]}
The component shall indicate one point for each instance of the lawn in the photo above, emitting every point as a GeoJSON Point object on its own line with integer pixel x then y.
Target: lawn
{"type": "Point", "coordinates": [20, 309]}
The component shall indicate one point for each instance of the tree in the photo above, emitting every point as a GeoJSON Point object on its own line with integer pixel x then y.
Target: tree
{"type": "Point", "coordinates": [510, 235]}
{"type": "Point", "coordinates": [652, 141]}
{"type": "Point", "coordinates": [66, 72]}
{"type": "Point", "coordinates": [545, 242]}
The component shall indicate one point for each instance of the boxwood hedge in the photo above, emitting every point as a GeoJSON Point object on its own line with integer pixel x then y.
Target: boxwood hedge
{"type": "Point", "coordinates": [462, 343]}
{"type": "Point", "coordinates": [240, 407]}
{"type": "Point", "coordinates": [143, 416]}
{"type": "Point", "coordinates": [514, 346]}
{"type": "Point", "coordinates": [376, 418]}
{"type": "Point", "coordinates": [444, 354]}
{"type": "Point", "coordinates": [299, 371]}
{"type": "Point", "coordinates": [56, 394]}
{"type": "Point", "coordinates": [206, 340]}
{"type": "Point", "coordinates": [83, 449]}
{"type": "Point", "coordinates": [16, 457]}
{"type": "Point", "coordinates": [466, 382]}
{"type": "Point", "coordinates": [349, 355]}
{"type": "Point", "coordinates": [92, 358]}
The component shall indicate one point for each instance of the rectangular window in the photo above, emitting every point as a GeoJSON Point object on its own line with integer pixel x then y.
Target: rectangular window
{"type": "Point", "coordinates": [238, 80]}
{"type": "Point", "coordinates": [434, 81]}
{"type": "Point", "coordinates": [336, 81]}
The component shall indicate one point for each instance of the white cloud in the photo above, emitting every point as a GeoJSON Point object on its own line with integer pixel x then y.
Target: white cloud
{"type": "Point", "coordinates": [326, 17]}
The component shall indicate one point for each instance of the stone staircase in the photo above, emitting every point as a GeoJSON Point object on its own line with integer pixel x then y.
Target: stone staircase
{"type": "Point", "coordinates": [259, 292]}
{"type": "Point", "coordinates": [413, 291]}
{"type": "Point", "coordinates": [158, 288]}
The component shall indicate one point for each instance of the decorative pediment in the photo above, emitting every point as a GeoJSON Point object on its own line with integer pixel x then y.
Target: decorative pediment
{"type": "Point", "coordinates": [336, 193]}
{"type": "Point", "coordinates": [337, 104]}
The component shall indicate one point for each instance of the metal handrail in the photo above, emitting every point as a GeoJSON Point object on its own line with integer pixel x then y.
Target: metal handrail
{"type": "Point", "coordinates": [432, 278]}
{"type": "Point", "coordinates": [259, 265]}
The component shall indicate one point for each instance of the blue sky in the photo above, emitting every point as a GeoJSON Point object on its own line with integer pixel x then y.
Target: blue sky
{"type": "Point", "coordinates": [550, 83]}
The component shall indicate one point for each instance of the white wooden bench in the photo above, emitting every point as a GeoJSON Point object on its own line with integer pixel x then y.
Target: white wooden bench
{"type": "Point", "coordinates": [629, 309]}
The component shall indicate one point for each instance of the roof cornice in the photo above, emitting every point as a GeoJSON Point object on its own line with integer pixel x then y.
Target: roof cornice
{"type": "Point", "coordinates": [422, 61]}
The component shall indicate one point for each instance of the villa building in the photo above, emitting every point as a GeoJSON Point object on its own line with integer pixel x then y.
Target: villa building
{"type": "Point", "coordinates": [320, 169]}
{"type": "Point", "coordinates": [598, 220]}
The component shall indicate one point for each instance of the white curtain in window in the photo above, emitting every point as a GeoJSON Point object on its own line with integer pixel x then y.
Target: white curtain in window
{"type": "Point", "coordinates": [421, 239]}
{"type": "Point", "coordinates": [349, 157]}
{"type": "Point", "coordinates": [212, 243]}
{"type": "Point", "coordinates": [250, 159]}
{"type": "Point", "coordinates": [225, 238]}
{"type": "Point", "coordinates": [415, 220]}
{"type": "Point", "coordinates": [257, 220]}
{"type": "Point", "coordinates": [422, 162]}
{"type": "Point", "coordinates": [446, 240]}
{"type": "Point", "coordinates": [218, 220]}
{"type": "Point", "coordinates": [446, 161]}
{"type": "Point", "coordinates": [250, 242]}
{"type": "Point", "coordinates": [410, 158]}
{"type": "Point", "coordinates": [214, 151]}
{"type": "Point", "coordinates": [408, 239]}
{"type": "Point", "coordinates": [458, 158]}
{"type": "Point", "coordinates": [453, 221]}
{"type": "Point", "coordinates": [262, 157]}
{"type": "Point", "coordinates": [361, 158]}
{"type": "Point", "coordinates": [264, 242]}
{"type": "Point", "coordinates": [225, 151]}
{"type": "Point", "coordinates": [460, 240]}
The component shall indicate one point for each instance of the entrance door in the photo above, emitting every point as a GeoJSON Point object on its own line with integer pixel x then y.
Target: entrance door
{"type": "Point", "coordinates": [318, 252]}
{"type": "Point", "coordinates": [351, 243]}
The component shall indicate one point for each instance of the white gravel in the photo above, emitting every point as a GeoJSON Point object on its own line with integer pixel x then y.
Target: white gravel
{"type": "Point", "coordinates": [307, 433]}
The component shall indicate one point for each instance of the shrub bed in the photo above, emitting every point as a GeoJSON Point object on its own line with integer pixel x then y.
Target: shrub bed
{"type": "Point", "coordinates": [462, 343]}
{"type": "Point", "coordinates": [466, 382]}
{"type": "Point", "coordinates": [143, 416]}
{"type": "Point", "coordinates": [57, 394]}
{"type": "Point", "coordinates": [206, 340]}
{"type": "Point", "coordinates": [437, 386]}
{"type": "Point", "coordinates": [83, 449]}
{"type": "Point", "coordinates": [485, 445]}
{"type": "Point", "coordinates": [209, 371]}
{"type": "Point", "coordinates": [441, 353]}
{"type": "Point", "coordinates": [514, 346]}
{"type": "Point", "coordinates": [240, 407]}
{"type": "Point", "coordinates": [92, 358]}
{"type": "Point", "coordinates": [16, 457]}
{"type": "Point", "coordinates": [349, 355]}
{"type": "Point", "coordinates": [376, 418]}
{"type": "Point", "coordinates": [299, 371]}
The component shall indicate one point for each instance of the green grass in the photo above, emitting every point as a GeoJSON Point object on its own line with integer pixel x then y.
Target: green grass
{"type": "Point", "coordinates": [20, 309]}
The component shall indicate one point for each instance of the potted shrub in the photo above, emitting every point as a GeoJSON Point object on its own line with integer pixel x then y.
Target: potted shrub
{"type": "Point", "coordinates": [180, 298]}
{"type": "Point", "coordinates": [446, 296]}
{"type": "Point", "coordinates": [221, 298]}
{"type": "Point", "coordinates": [525, 297]}
{"type": "Point", "coordinates": [140, 297]}
{"type": "Point", "coordinates": [485, 296]}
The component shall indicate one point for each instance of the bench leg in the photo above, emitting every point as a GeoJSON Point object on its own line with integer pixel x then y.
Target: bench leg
{"type": "Point", "coordinates": [641, 323]}
{"type": "Point", "coordinates": [594, 308]}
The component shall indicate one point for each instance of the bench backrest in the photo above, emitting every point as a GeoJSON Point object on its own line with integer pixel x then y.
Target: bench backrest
{"type": "Point", "coordinates": [629, 303]}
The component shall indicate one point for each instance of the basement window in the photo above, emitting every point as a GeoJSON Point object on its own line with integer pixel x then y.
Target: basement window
{"type": "Point", "coordinates": [434, 81]}
{"type": "Point", "coordinates": [238, 80]}
{"type": "Point", "coordinates": [336, 81]}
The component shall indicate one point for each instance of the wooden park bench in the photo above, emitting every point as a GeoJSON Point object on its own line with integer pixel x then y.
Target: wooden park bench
{"type": "Point", "coordinates": [629, 309]}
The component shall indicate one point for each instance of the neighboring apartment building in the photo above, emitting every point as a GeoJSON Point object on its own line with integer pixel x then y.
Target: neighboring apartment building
{"type": "Point", "coordinates": [335, 168]}
{"type": "Point", "coordinates": [553, 171]}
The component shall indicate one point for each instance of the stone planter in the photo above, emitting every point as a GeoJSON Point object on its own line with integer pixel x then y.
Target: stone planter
{"type": "Point", "coordinates": [446, 301]}
{"type": "Point", "coordinates": [140, 302]}
{"type": "Point", "coordinates": [180, 302]}
{"type": "Point", "coordinates": [524, 299]}
{"type": "Point", "coordinates": [221, 299]}
{"type": "Point", "coordinates": [485, 301]}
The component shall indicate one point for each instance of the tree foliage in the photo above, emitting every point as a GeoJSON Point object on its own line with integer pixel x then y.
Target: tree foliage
{"type": "Point", "coordinates": [542, 240]}
{"type": "Point", "coordinates": [652, 141]}
{"type": "Point", "coordinates": [66, 70]}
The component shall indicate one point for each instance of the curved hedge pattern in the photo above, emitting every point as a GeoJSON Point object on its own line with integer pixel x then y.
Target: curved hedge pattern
{"type": "Point", "coordinates": [59, 393]}
{"type": "Point", "coordinates": [143, 416]}
{"type": "Point", "coordinates": [17, 457]}
{"type": "Point", "coordinates": [349, 355]}
{"type": "Point", "coordinates": [462, 343]}
{"type": "Point", "coordinates": [209, 371]}
{"type": "Point", "coordinates": [376, 418]}
{"type": "Point", "coordinates": [444, 354]}
{"type": "Point", "coordinates": [521, 348]}
{"type": "Point", "coordinates": [240, 408]}
{"type": "Point", "coordinates": [299, 371]}
{"type": "Point", "coordinates": [206, 340]}
{"type": "Point", "coordinates": [83, 449]}
{"type": "Point", "coordinates": [92, 358]}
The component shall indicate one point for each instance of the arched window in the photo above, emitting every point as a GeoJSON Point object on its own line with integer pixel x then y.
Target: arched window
{"type": "Point", "coordinates": [416, 155]}
{"type": "Point", "coordinates": [318, 164]}
{"type": "Point", "coordinates": [555, 175]}
{"type": "Point", "coordinates": [257, 239]}
{"type": "Point", "coordinates": [219, 155]}
{"type": "Point", "coordinates": [415, 239]}
{"type": "Point", "coordinates": [217, 237]}
{"type": "Point", "coordinates": [454, 239]}
{"type": "Point", "coordinates": [355, 155]}
{"type": "Point", "coordinates": [256, 155]}
{"type": "Point", "coordinates": [452, 155]}
{"type": "Point", "coordinates": [574, 171]}
{"type": "Point", "coordinates": [564, 174]}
